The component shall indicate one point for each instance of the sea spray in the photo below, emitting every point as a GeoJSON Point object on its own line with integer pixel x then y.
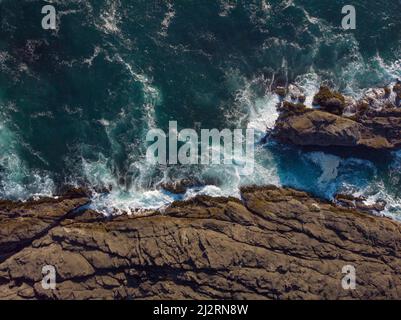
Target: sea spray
{"type": "Point", "coordinates": [80, 101]}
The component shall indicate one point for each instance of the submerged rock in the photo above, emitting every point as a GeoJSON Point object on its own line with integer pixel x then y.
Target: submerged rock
{"type": "Point", "coordinates": [274, 244]}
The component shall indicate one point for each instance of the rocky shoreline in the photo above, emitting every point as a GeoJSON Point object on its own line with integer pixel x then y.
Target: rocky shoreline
{"type": "Point", "coordinates": [275, 243]}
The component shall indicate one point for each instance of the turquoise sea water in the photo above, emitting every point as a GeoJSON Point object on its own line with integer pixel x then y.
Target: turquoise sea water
{"type": "Point", "coordinates": [76, 103]}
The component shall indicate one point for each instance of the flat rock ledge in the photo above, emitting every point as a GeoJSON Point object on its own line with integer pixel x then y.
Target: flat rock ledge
{"type": "Point", "coordinates": [276, 243]}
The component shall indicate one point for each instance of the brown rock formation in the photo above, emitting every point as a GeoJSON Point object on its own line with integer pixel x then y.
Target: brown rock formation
{"type": "Point", "coordinates": [275, 244]}
{"type": "Point", "coordinates": [349, 201]}
{"type": "Point", "coordinates": [330, 101]}
{"type": "Point", "coordinates": [373, 122]}
{"type": "Point", "coordinates": [21, 223]}
{"type": "Point", "coordinates": [375, 129]}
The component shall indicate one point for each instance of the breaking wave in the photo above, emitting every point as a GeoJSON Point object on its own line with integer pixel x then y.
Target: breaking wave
{"type": "Point", "coordinates": [76, 104]}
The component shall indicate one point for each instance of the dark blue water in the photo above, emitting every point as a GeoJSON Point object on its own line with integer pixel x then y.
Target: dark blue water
{"type": "Point", "coordinates": [76, 103]}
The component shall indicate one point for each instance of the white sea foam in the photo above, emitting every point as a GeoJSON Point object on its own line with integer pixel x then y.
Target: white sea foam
{"type": "Point", "coordinates": [358, 177]}
{"type": "Point", "coordinates": [168, 18]}
{"type": "Point", "coordinates": [253, 108]}
{"type": "Point", "coordinates": [328, 164]}
{"type": "Point", "coordinates": [226, 6]}
{"type": "Point", "coordinates": [309, 83]}
{"type": "Point", "coordinates": [17, 181]}
{"type": "Point", "coordinates": [119, 202]}
{"type": "Point", "coordinates": [140, 191]}
{"type": "Point", "coordinates": [336, 174]}
{"type": "Point", "coordinates": [137, 192]}
{"type": "Point", "coordinates": [110, 17]}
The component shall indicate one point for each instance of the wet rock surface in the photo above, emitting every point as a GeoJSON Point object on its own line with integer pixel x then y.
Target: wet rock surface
{"type": "Point", "coordinates": [274, 244]}
{"type": "Point", "coordinates": [373, 122]}
{"type": "Point", "coordinates": [330, 101]}
{"type": "Point", "coordinates": [350, 201]}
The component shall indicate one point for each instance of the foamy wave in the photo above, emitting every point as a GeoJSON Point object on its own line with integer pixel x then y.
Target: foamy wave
{"type": "Point", "coordinates": [168, 18]}
{"type": "Point", "coordinates": [17, 182]}
{"type": "Point", "coordinates": [110, 17]}
{"type": "Point", "coordinates": [119, 202]}
{"type": "Point", "coordinates": [340, 174]}
{"type": "Point", "coordinates": [328, 164]}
